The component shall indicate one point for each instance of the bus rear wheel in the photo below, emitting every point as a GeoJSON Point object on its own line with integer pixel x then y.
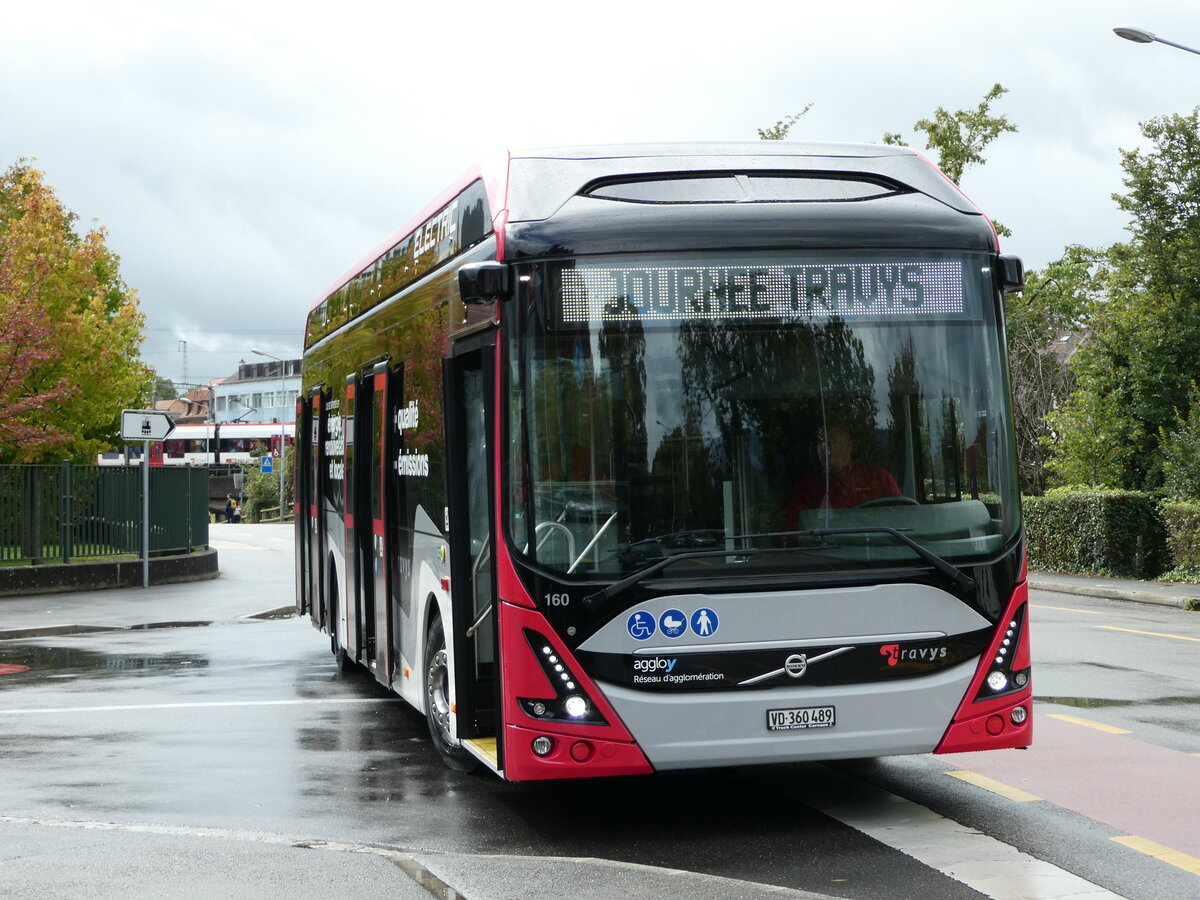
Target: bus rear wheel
{"type": "Point", "coordinates": [437, 703]}
{"type": "Point", "coordinates": [340, 657]}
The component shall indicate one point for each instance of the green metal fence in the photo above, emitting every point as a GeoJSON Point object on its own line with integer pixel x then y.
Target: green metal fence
{"type": "Point", "coordinates": [51, 514]}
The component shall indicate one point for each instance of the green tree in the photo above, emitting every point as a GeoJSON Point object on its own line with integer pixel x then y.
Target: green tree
{"type": "Point", "coordinates": [1094, 441]}
{"type": "Point", "coordinates": [82, 366]}
{"type": "Point", "coordinates": [780, 129]}
{"type": "Point", "coordinates": [1181, 461]}
{"type": "Point", "coordinates": [1140, 357]}
{"type": "Point", "coordinates": [959, 137]}
{"type": "Point", "coordinates": [1053, 305]}
{"type": "Point", "coordinates": [164, 389]}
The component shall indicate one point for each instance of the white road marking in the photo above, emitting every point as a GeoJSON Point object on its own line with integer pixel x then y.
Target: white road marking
{"type": "Point", "coordinates": [983, 863]}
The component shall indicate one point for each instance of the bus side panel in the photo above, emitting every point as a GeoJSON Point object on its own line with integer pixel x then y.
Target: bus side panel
{"type": "Point", "coordinates": [412, 332]}
{"type": "Point", "coordinates": [417, 471]}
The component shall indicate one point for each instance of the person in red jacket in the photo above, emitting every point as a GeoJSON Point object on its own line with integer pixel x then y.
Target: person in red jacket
{"type": "Point", "coordinates": [842, 481]}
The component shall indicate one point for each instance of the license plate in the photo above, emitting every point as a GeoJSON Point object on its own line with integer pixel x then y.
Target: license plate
{"type": "Point", "coordinates": [800, 717]}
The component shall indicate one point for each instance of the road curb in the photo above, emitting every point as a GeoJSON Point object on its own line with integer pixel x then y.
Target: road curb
{"type": "Point", "coordinates": [19, 582]}
{"type": "Point", "coordinates": [1110, 593]}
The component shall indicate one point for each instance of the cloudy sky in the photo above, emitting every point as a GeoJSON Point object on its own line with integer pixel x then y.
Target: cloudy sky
{"type": "Point", "coordinates": [243, 154]}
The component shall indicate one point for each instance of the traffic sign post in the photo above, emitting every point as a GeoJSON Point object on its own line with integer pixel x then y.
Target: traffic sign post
{"type": "Point", "coordinates": [145, 425]}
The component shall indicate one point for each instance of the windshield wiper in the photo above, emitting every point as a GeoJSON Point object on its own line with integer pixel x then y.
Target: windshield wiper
{"type": "Point", "coordinates": [961, 579]}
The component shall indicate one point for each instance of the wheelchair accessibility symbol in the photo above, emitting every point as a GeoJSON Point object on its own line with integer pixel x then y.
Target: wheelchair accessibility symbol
{"type": "Point", "coordinates": [641, 625]}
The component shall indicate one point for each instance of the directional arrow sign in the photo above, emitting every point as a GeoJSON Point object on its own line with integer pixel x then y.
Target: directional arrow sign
{"type": "Point", "coordinates": [145, 425]}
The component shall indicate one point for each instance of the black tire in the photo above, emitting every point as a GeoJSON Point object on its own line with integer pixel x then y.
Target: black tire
{"type": "Point", "coordinates": [341, 658]}
{"type": "Point", "coordinates": [437, 703]}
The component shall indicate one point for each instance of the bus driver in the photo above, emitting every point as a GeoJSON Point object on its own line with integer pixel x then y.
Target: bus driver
{"type": "Point", "coordinates": [841, 481]}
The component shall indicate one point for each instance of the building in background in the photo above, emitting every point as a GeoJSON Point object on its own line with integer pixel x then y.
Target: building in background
{"type": "Point", "coordinates": [259, 392]}
{"type": "Point", "coordinates": [190, 409]}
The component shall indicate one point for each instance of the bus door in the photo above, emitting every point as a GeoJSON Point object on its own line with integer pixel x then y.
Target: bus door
{"type": "Point", "coordinates": [470, 422]}
{"type": "Point", "coordinates": [316, 515]}
{"type": "Point", "coordinates": [351, 609]}
{"type": "Point", "coordinates": [300, 518]}
{"type": "Point", "coordinates": [373, 458]}
{"type": "Point", "coordinates": [399, 540]}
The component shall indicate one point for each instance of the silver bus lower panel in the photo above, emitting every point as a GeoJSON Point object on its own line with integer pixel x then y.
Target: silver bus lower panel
{"type": "Point", "coordinates": [700, 729]}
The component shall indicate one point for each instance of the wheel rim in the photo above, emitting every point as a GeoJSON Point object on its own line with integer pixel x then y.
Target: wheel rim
{"type": "Point", "coordinates": [438, 685]}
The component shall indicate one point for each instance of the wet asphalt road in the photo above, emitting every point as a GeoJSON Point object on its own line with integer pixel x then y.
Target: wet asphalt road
{"type": "Point", "coordinates": [228, 757]}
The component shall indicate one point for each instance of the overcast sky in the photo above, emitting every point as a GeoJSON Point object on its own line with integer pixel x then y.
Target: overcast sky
{"type": "Point", "coordinates": [243, 154]}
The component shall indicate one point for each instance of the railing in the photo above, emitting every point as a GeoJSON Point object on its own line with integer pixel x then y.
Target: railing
{"type": "Point", "coordinates": [271, 514]}
{"type": "Point", "coordinates": [51, 514]}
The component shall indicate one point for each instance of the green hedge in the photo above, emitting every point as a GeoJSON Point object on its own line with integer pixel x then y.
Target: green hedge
{"type": "Point", "coordinates": [1183, 536]}
{"type": "Point", "coordinates": [1097, 533]}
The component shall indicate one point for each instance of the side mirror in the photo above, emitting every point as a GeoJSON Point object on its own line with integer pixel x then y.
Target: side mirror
{"type": "Point", "coordinates": [1010, 273]}
{"type": "Point", "coordinates": [484, 282]}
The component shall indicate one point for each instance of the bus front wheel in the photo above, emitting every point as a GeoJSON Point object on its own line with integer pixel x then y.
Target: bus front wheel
{"type": "Point", "coordinates": [437, 703]}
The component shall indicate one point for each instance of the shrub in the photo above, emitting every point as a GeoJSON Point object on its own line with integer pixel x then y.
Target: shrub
{"type": "Point", "coordinates": [260, 492]}
{"type": "Point", "coordinates": [1183, 538]}
{"type": "Point", "coordinates": [1096, 533]}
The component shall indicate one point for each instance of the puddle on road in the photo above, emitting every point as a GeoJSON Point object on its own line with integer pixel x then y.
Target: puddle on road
{"type": "Point", "coordinates": [72, 662]}
{"type": "Point", "coordinates": [272, 614]}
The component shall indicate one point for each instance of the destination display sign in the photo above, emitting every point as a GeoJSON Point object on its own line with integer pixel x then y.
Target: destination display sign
{"type": "Point", "coordinates": [885, 288]}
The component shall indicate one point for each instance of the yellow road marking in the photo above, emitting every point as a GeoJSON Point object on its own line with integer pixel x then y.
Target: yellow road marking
{"type": "Point", "coordinates": [996, 787]}
{"type": "Point", "coordinates": [1086, 612]}
{"type": "Point", "coordinates": [1165, 854]}
{"type": "Point", "coordinates": [1088, 723]}
{"type": "Point", "coordinates": [1178, 637]}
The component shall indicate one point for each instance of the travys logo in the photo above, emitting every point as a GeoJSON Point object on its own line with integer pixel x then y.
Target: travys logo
{"type": "Point", "coordinates": [654, 664]}
{"type": "Point", "coordinates": [895, 653]}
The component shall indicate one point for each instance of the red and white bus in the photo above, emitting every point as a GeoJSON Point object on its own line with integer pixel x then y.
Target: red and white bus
{"type": "Point", "coordinates": [208, 445]}
{"type": "Point", "coordinates": [629, 459]}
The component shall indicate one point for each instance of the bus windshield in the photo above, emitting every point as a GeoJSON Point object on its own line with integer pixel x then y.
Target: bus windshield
{"type": "Point", "coordinates": [674, 404]}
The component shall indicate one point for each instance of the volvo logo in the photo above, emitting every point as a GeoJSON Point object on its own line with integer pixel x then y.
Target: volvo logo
{"type": "Point", "coordinates": [795, 666]}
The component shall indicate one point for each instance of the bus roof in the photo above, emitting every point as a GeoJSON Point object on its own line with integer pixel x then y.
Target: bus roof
{"type": "Point", "coordinates": [542, 180]}
{"type": "Point", "coordinates": [529, 186]}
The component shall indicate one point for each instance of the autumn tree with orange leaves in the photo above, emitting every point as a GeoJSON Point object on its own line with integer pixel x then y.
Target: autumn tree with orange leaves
{"type": "Point", "coordinates": [69, 329]}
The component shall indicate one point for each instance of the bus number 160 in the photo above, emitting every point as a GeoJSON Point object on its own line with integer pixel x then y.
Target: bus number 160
{"type": "Point", "coordinates": [558, 599]}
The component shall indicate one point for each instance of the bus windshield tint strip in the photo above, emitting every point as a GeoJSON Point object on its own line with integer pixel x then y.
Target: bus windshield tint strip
{"type": "Point", "coordinates": [860, 289]}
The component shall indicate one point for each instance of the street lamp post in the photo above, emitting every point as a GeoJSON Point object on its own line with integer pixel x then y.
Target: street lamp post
{"type": "Point", "coordinates": [1142, 36]}
{"type": "Point", "coordinates": [279, 402]}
